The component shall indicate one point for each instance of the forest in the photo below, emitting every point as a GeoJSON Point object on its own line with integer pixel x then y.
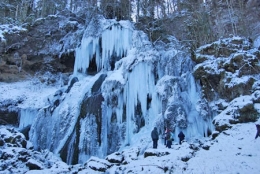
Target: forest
{"type": "Point", "coordinates": [193, 22]}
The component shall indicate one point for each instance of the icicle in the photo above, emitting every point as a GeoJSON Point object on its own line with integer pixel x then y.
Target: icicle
{"type": "Point", "coordinates": [116, 41]}
{"type": "Point", "coordinates": [140, 84]}
{"type": "Point", "coordinates": [27, 117]}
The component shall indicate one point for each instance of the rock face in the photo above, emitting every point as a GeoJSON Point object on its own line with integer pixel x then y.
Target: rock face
{"type": "Point", "coordinates": [228, 69]}
{"type": "Point", "coordinates": [47, 45]}
{"type": "Point", "coordinates": [17, 155]}
{"type": "Point", "coordinates": [224, 62]}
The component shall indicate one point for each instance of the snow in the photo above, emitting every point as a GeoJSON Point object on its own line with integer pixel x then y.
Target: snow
{"type": "Point", "coordinates": [257, 42]}
{"type": "Point", "coordinates": [31, 92]}
{"type": "Point", "coordinates": [9, 29]}
{"type": "Point", "coordinates": [235, 151]}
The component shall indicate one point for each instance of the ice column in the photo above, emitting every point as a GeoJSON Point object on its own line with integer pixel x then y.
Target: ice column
{"type": "Point", "coordinates": [27, 117]}
{"type": "Point", "coordinates": [140, 84]}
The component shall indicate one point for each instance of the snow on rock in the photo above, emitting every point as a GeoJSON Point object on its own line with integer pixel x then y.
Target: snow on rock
{"type": "Point", "coordinates": [115, 157]}
{"type": "Point", "coordinates": [17, 157]}
{"type": "Point", "coordinates": [25, 94]}
{"type": "Point", "coordinates": [12, 138]}
{"type": "Point", "coordinates": [97, 164]}
{"type": "Point", "coordinates": [240, 109]}
{"type": "Point", "coordinates": [230, 80]}
{"type": "Point", "coordinates": [152, 152]}
{"type": "Point", "coordinates": [34, 165]}
{"type": "Point", "coordinates": [9, 29]}
{"type": "Point", "coordinates": [232, 71]}
{"type": "Point", "coordinates": [130, 155]}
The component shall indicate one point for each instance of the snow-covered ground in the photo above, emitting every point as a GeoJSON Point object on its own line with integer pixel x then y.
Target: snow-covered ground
{"type": "Point", "coordinates": [32, 93]}
{"type": "Point", "coordinates": [233, 151]}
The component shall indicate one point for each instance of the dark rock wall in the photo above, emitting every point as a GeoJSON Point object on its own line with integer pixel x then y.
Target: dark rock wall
{"type": "Point", "coordinates": [47, 44]}
{"type": "Point", "coordinates": [229, 69]}
{"type": "Point", "coordinates": [230, 58]}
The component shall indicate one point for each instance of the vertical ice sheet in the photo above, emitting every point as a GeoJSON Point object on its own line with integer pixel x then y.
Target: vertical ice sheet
{"type": "Point", "coordinates": [27, 117]}
{"type": "Point", "coordinates": [197, 125]}
{"type": "Point", "coordinates": [83, 55]}
{"type": "Point", "coordinates": [140, 84]}
{"type": "Point", "coordinates": [128, 96]}
{"type": "Point", "coordinates": [53, 129]}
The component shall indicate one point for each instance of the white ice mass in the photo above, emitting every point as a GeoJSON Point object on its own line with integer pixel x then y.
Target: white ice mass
{"type": "Point", "coordinates": [130, 99]}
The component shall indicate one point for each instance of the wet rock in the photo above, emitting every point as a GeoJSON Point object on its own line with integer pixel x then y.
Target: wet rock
{"type": "Point", "coordinates": [47, 44]}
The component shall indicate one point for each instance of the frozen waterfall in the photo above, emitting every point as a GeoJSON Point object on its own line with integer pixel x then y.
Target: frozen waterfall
{"type": "Point", "coordinates": [126, 87]}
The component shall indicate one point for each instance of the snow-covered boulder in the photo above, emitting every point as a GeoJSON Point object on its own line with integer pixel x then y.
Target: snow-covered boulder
{"type": "Point", "coordinates": [228, 68]}
{"type": "Point", "coordinates": [153, 152]}
{"type": "Point", "coordinates": [98, 164]}
{"type": "Point", "coordinates": [240, 110]}
{"type": "Point", "coordinates": [34, 165]}
{"type": "Point", "coordinates": [115, 157]}
{"type": "Point", "coordinates": [16, 156]}
{"type": "Point", "coordinates": [130, 155]}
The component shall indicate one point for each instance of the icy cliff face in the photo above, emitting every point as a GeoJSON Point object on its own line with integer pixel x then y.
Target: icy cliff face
{"type": "Point", "coordinates": [127, 85]}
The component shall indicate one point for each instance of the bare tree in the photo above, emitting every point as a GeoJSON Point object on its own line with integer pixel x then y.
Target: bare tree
{"type": "Point", "coordinates": [116, 9]}
{"type": "Point", "coordinates": [231, 14]}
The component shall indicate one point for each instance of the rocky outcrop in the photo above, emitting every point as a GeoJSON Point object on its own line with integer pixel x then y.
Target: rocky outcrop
{"type": "Point", "coordinates": [227, 70]}
{"type": "Point", "coordinates": [17, 155]}
{"type": "Point", "coordinates": [46, 45]}
{"type": "Point", "coordinates": [222, 66]}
